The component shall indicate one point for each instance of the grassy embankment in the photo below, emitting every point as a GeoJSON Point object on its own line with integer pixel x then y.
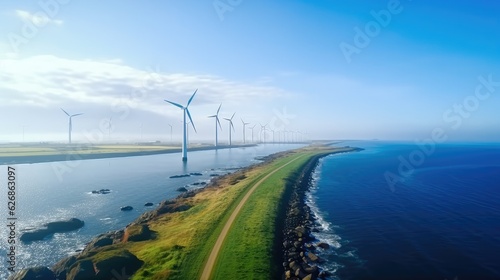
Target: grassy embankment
{"type": "Point", "coordinates": [185, 239]}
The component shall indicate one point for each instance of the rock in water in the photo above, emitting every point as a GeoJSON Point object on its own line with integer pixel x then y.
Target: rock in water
{"type": "Point", "coordinates": [51, 228]}
{"type": "Point", "coordinates": [126, 208]}
{"type": "Point", "coordinates": [323, 245]}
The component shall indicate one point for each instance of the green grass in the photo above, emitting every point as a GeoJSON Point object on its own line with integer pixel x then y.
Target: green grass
{"type": "Point", "coordinates": [184, 240]}
{"type": "Point", "coordinates": [247, 250]}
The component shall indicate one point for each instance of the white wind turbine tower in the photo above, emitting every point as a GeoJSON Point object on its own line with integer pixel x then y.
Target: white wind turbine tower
{"type": "Point", "coordinates": [230, 126]}
{"type": "Point", "coordinates": [252, 128]}
{"type": "Point", "coordinates": [170, 133]}
{"type": "Point", "coordinates": [185, 112]}
{"type": "Point", "coordinates": [217, 122]}
{"type": "Point", "coordinates": [109, 128]}
{"type": "Point", "coordinates": [263, 129]}
{"type": "Point", "coordinates": [244, 125]}
{"type": "Point", "coordinates": [70, 122]}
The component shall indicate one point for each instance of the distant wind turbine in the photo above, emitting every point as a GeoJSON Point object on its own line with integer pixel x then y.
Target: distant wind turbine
{"type": "Point", "coordinates": [70, 122]}
{"type": "Point", "coordinates": [185, 112]}
{"type": "Point", "coordinates": [170, 132]}
{"type": "Point", "coordinates": [244, 125]}
{"type": "Point", "coordinates": [252, 128]}
{"type": "Point", "coordinates": [230, 126]}
{"type": "Point", "coordinates": [24, 126]}
{"type": "Point", "coordinates": [216, 116]}
{"type": "Point", "coordinates": [263, 129]}
{"type": "Point", "coordinates": [109, 128]}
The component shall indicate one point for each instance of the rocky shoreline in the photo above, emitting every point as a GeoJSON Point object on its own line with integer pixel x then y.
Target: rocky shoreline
{"type": "Point", "coordinates": [296, 249]}
{"type": "Point", "coordinates": [298, 246]}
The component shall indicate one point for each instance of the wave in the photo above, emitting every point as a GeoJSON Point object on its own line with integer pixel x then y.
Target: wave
{"type": "Point", "coordinates": [336, 256]}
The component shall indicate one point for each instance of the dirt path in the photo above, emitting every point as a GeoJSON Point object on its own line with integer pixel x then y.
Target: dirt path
{"type": "Point", "coordinates": [207, 271]}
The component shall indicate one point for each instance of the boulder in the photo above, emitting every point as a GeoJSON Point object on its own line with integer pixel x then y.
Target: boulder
{"type": "Point", "coordinates": [139, 233]}
{"type": "Point", "coordinates": [126, 208]}
{"type": "Point", "coordinates": [308, 277]}
{"type": "Point", "coordinates": [123, 264]}
{"type": "Point", "coordinates": [51, 228]}
{"type": "Point", "coordinates": [34, 273]}
{"type": "Point", "coordinates": [312, 257]}
{"type": "Point", "coordinates": [323, 245]}
{"type": "Point", "coordinates": [62, 266]}
{"type": "Point", "coordinates": [101, 191]}
{"type": "Point", "coordinates": [62, 226]}
{"type": "Point", "coordinates": [100, 241]}
{"type": "Point", "coordinates": [179, 176]}
{"type": "Point", "coordinates": [82, 270]}
{"type": "Point", "coordinates": [182, 189]}
{"type": "Point", "coordinates": [149, 204]}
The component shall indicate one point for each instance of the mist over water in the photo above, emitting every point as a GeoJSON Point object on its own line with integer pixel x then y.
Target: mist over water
{"type": "Point", "coordinates": [441, 222]}
{"type": "Point", "coordinates": [44, 196]}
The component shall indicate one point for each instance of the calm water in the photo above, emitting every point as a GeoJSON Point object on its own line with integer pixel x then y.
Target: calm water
{"type": "Point", "coordinates": [61, 190]}
{"type": "Point", "coordinates": [441, 221]}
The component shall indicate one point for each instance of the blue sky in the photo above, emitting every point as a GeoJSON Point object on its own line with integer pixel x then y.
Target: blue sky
{"type": "Point", "coordinates": [277, 62]}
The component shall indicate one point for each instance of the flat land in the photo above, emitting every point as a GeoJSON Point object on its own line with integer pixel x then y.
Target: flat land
{"type": "Point", "coordinates": [12, 154]}
{"type": "Point", "coordinates": [225, 231]}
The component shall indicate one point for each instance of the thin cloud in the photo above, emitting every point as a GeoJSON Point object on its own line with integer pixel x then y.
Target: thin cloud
{"type": "Point", "coordinates": [39, 19]}
{"type": "Point", "coordinates": [53, 81]}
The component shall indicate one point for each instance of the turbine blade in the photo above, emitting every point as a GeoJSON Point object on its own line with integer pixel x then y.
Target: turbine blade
{"type": "Point", "coordinates": [175, 104]}
{"type": "Point", "coordinates": [219, 109]}
{"type": "Point", "coordinates": [219, 123]}
{"type": "Point", "coordinates": [75, 115]}
{"type": "Point", "coordinates": [191, 99]}
{"type": "Point", "coordinates": [191, 120]}
{"type": "Point", "coordinates": [65, 112]}
{"type": "Point", "coordinates": [214, 116]}
{"type": "Point", "coordinates": [232, 126]}
{"type": "Point", "coordinates": [233, 116]}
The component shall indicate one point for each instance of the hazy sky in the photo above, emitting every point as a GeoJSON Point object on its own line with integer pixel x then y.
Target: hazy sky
{"type": "Point", "coordinates": [336, 69]}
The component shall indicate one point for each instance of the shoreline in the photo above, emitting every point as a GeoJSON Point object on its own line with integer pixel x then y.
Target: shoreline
{"type": "Point", "coordinates": [139, 230]}
{"type": "Point", "coordinates": [298, 244]}
{"type": "Point", "coordinates": [8, 160]}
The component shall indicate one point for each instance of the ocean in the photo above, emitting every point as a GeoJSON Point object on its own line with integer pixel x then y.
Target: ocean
{"type": "Point", "coordinates": [54, 191]}
{"type": "Point", "coordinates": [438, 217]}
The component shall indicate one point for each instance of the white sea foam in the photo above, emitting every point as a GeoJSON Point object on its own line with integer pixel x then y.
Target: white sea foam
{"type": "Point", "coordinates": [326, 229]}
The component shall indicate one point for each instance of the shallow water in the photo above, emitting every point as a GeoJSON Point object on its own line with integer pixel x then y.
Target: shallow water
{"type": "Point", "coordinates": [60, 190]}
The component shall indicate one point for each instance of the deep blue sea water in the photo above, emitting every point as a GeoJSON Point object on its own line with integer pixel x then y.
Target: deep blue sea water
{"type": "Point", "coordinates": [441, 221]}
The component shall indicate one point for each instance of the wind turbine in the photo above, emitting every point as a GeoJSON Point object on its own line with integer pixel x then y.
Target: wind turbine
{"type": "Point", "coordinates": [216, 116]}
{"type": "Point", "coordinates": [244, 125]}
{"type": "Point", "coordinates": [185, 112]}
{"type": "Point", "coordinates": [263, 129]}
{"type": "Point", "coordinates": [230, 126]}
{"type": "Point", "coordinates": [252, 128]}
{"type": "Point", "coordinates": [140, 128]}
{"type": "Point", "coordinates": [109, 128]}
{"type": "Point", "coordinates": [170, 133]}
{"type": "Point", "coordinates": [70, 122]}
{"type": "Point", "coordinates": [23, 130]}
